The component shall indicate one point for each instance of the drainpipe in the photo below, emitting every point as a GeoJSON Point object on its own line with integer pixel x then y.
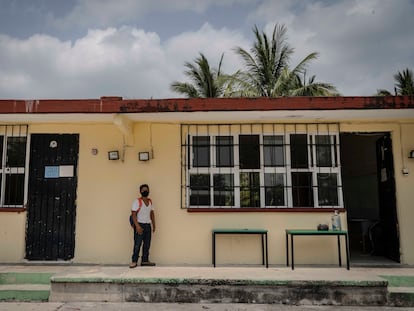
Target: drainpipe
{"type": "Point", "coordinates": [126, 127]}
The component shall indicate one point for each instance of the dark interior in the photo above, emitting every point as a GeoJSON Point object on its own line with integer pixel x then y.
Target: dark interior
{"type": "Point", "coordinates": [369, 197]}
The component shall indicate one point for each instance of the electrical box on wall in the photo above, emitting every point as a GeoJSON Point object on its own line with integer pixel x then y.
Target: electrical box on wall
{"type": "Point", "coordinates": [144, 156]}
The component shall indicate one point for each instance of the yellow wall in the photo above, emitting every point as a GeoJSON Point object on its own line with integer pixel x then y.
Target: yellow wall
{"type": "Point", "coordinates": [106, 190]}
{"type": "Point", "coordinates": [405, 194]}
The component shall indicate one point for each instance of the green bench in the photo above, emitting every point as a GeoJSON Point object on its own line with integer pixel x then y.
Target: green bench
{"type": "Point", "coordinates": [261, 232]}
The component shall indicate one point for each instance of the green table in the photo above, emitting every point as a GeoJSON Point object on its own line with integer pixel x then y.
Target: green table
{"type": "Point", "coordinates": [310, 232]}
{"type": "Point", "coordinates": [261, 232]}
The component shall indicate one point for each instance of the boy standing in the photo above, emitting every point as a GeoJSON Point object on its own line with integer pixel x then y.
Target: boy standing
{"type": "Point", "coordinates": [144, 224]}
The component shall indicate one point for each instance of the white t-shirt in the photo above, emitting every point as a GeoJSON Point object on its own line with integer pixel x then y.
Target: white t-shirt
{"type": "Point", "coordinates": [144, 213]}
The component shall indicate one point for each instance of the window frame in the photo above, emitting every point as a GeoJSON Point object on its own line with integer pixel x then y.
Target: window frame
{"type": "Point", "coordinates": [285, 170]}
{"type": "Point", "coordinates": [9, 131]}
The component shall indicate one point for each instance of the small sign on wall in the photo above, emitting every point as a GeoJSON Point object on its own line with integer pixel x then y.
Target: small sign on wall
{"type": "Point", "coordinates": [59, 171]}
{"type": "Point", "coordinates": [66, 171]}
{"type": "Point", "coordinates": [51, 171]}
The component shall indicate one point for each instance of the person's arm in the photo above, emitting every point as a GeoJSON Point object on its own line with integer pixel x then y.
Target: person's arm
{"type": "Point", "coordinates": [152, 215]}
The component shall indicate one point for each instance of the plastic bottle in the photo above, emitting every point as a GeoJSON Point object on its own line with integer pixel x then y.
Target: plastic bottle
{"type": "Point", "coordinates": [336, 221]}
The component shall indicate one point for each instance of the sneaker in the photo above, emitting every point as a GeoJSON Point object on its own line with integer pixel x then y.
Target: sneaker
{"type": "Point", "coordinates": [147, 263]}
{"type": "Point", "coordinates": [133, 265]}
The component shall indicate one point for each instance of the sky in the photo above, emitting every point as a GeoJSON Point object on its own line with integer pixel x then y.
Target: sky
{"type": "Point", "coordinates": [56, 49]}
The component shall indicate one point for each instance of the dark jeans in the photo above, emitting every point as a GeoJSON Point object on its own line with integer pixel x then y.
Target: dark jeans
{"type": "Point", "coordinates": [144, 238]}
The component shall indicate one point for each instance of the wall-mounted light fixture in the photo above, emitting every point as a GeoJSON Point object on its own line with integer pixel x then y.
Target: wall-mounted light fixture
{"type": "Point", "coordinates": [144, 156]}
{"type": "Point", "coordinates": [411, 154]}
{"type": "Point", "coordinates": [113, 155]}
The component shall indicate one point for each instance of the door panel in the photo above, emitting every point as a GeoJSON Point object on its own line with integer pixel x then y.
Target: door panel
{"type": "Point", "coordinates": [50, 232]}
{"type": "Point", "coordinates": [387, 201]}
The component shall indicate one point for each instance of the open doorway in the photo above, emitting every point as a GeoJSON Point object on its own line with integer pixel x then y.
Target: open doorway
{"type": "Point", "coordinates": [369, 197]}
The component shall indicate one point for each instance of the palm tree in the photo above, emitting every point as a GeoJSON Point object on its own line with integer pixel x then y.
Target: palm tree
{"type": "Point", "coordinates": [206, 81]}
{"type": "Point", "coordinates": [267, 69]}
{"type": "Point", "coordinates": [383, 92]}
{"type": "Point", "coordinates": [312, 88]}
{"type": "Point", "coordinates": [404, 84]}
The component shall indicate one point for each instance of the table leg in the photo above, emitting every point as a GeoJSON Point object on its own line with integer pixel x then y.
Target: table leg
{"type": "Point", "coordinates": [263, 255]}
{"type": "Point", "coordinates": [291, 249]}
{"type": "Point", "coordinates": [267, 256]}
{"type": "Point", "coordinates": [287, 251]}
{"type": "Point", "coordinates": [339, 250]}
{"type": "Point", "coordinates": [347, 251]}
{"type": "Point", "coordinates": [214, 249]}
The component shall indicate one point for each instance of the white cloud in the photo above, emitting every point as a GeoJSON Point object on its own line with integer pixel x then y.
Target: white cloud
{"type": "Point", "coordinates": [123, 61]}
{"type": "Point", "coordinates": [361, 43]}
{"type": "Point", "coordinates": [209, 41]}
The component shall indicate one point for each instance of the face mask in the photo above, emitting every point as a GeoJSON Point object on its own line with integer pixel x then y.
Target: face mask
{"type": "Point", "coordinates": [144, 193]}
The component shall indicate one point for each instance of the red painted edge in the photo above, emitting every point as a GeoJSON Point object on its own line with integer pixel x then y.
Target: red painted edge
{"type": "Point", "coordinates": [12, 209]}
{"type": "Point", "coordinates": [119, 105]}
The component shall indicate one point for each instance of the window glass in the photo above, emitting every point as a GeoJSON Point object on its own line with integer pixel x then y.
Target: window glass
{"type": "Point", "coordinates": [249, 189]}
{"type": "Point", "coordinates": [274, 189]}
{"type": "Point", "coordinates": [16, 152]}
{"type": "Point", "coordinates": [223, 190]}
{"type": "Point", "coordinates": [249, 151]}
{"type": "Point", "coordinates": [200, 189]}
{"type": "Point", "coordinates": [223, 165]}
{"type": "Point", "coordinates": [327, 189]}
{"type": "Point", "coordinates": [201, 151]}
{"type": "Point", "coordinates": [273, 151]}
{"type": "Point", "coordinates": [299, 150]}
{"type": "Point", "coordinates": [14, 194]}
{"type": "Point", "coordinates": [323, 150]}
{"type": "Point", "coordinates": [302, 192]}
{"type": "Point", "coordinates": [224, 151]}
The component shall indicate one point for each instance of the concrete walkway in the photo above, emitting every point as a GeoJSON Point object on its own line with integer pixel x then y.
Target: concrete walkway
{"type": "Point", "coordinates": [329, 273]}
{"type": "Point", "coordinates": [130, 306]}
{"type": "Point", "coordinates": [325, 276]}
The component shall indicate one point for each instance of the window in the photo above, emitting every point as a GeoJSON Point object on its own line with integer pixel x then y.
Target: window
{"type": "Point", "coordinates": [249, 189]}
{"type": "Point", "coordinates": [13, 145]}
{"type": "Point", "coordinates": [299, 150]}
{"type": "Point", "coordinates": [302, 189]}
{"type": "Point", "coordinates": [273, 151]}
{"type": "Point", "coordinates": [200, 189]}
{"type": "Point", "coordinates": [201, 151]}
{"type": "Point", "coordinates": [274, 189]}
{"type": "Point", "coordinates": [261, 166]}
{"type": "Point", "coordinates": [249, 151]}
{"type": "Point", "coordinates": [223, 190]}
{"type": "Point", "coordinates": [224, 151]}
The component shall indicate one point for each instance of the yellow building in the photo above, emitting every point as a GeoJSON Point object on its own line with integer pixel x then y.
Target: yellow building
{"type": "Point", "coordinates": [71, 170]}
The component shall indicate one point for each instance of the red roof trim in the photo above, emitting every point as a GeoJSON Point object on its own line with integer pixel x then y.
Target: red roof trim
{"type": "Point", "coordinates": [119, 105]}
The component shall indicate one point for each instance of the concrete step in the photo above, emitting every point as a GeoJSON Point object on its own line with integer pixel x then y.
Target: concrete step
{"type": "Point", "coordinates": [400, 290]}
{"type": "Point", "coordinates": [163, 290]}
{"type": "Point", "coordinates": [25, 277]}
{"type": "Point", "coordinates": [401, 296]}
{"type": "Point", "coordinates": [24, 292]}
{"type": "Point", "coordinates": [15, 286]}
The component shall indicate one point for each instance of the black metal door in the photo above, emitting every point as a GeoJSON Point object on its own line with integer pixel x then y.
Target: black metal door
{"type": "Point", "coordinates": [387, 201]}
{"type": "Point", "coordinates": [50, 230]}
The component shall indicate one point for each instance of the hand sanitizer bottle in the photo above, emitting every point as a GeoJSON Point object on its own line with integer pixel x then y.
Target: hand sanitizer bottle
{"type": "Point", "coordinates": [336, 221]}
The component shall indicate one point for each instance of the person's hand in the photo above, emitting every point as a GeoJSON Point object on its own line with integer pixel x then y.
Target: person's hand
{"type": "Point", "coordinates": [153, 228]}
{"type": "Point", "coordinates": [140, 230]}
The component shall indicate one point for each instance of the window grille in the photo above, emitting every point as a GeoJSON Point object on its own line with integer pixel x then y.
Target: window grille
{"type": "Point", "coordinates": [13, 168]}
{"type": "Point", "coordinates": [269, 165]}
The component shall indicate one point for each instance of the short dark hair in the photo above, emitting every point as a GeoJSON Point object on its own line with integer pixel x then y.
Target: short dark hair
{"type": "Point", "coordinates": [143, 186]}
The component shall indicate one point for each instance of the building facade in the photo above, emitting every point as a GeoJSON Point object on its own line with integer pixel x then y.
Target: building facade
{"type": "Point", "coordinates": [71, 169]}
